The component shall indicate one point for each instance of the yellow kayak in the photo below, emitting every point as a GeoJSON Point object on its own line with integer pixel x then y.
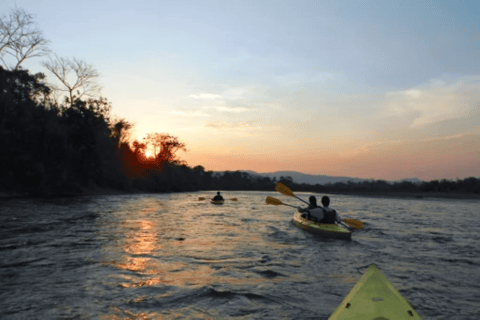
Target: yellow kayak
{"type": "Point", "coordinates": [217, 201]}
{"type": "Point", "coordinates": [322, 229]}
{"type": "Point", "coordinates": [374, 298]}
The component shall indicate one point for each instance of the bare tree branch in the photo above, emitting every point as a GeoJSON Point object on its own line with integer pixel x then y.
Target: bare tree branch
{"type": "Point", "coordinates": [20, 39]}
{"type": "Point", "coordinates": [77, 78]}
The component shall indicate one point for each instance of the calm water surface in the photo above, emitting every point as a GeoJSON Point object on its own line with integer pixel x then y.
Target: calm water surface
{"type": "Point", "coordinates": [171, 256]}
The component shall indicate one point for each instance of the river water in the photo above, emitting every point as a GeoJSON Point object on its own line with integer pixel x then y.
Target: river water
{"type": "Point", "coordinates": [172, 256]}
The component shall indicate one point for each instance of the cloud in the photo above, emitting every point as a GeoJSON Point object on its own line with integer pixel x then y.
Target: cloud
{"type": "Point", "coordinates": [196, 114]}
{"type": "Point", "coordinates": [233, 109]}
{"type": "Point", "coordinates": [435, 101]}
{"type": "Point", "coordinates": [366, 148]}
{"type": "Point", "coordinates": [234, 125]}
{"type": "Point", "coordinates": [229, 94]}
{"type": "Point", "coordinates": [204, 96]}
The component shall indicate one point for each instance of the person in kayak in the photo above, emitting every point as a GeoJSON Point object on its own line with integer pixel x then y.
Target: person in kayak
{"type": "Point", "coordinates": [330, 215]}
{"type": "Point", "coordinates": [319, 214]}
{"type": "Point", "coordinates": [313, 211]}
{"type": "Point", "coordinates": [218, 197]}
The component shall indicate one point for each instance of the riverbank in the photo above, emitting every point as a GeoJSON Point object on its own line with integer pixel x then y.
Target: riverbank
{"type": "Point", "coordinates": [411, 195]}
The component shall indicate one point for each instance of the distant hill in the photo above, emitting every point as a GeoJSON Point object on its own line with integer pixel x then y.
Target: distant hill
{"type": "Point", "coordinates": [412, 180]}
{"type": "Point", "coordinates": [299, 177]}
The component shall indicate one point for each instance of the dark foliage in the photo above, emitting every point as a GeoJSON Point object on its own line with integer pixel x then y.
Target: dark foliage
{"type": "Point", "coordinates": [466, 186]}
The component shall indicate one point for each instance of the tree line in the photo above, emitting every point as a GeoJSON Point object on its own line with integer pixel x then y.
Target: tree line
{"type": "Point", "coordinates": [467, 186]}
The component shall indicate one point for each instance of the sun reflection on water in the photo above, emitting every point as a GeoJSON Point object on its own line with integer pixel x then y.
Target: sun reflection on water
{"type": "Point", "coordinates": [142, 240]}
{"type": "Point", "coordinates": [180, 246]}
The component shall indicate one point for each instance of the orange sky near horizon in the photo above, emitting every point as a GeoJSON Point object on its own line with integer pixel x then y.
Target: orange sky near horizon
{"type": "Point", "coordinates": [427, 161]}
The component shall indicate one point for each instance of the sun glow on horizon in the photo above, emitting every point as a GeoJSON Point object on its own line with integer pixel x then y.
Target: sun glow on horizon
{"type": "Point", "coordinates": [149, 154]}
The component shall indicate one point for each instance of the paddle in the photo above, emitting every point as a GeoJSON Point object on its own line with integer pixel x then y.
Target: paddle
{"type": "Point", "coordinates": [283, 189]}
{"type": "Point", "coordinates": [357, 224]}
{"type": "Point", "coordinates": [276, 202]}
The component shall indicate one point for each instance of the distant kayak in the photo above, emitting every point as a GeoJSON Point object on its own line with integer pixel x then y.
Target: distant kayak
{"type": "Point", "coordinates": [322, 229]}
{"type": "Point", "coordinates": [374, 297]}
{"type": "Point", "coordinates": [217, 201]}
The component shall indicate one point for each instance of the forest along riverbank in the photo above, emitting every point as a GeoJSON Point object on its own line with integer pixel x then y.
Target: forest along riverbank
{"type": "Point", "coordinates": [412, 195]}
{"type": "Point", "coordinates": [174, 256]}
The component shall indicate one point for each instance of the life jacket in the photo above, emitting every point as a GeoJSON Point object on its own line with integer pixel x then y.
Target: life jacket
{"type": "Point", "coordinates": [330, 216]}
{"type": "Point", "coordinates": [317, 213]}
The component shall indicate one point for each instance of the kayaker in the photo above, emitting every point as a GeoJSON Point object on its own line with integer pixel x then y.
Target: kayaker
{"type": "Point", "coordinates": [313, 211]}
{"type": "Point", "coordinates": [330, 215]}
{"type": "Point", "coordinates": [218, 197]}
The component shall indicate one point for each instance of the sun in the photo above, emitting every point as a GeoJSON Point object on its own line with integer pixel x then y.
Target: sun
{"type": "Point", "coordinates": [149, 154]}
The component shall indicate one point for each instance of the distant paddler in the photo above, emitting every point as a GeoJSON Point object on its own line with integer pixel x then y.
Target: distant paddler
{"type": "Point", "coordinates": [218, 197]}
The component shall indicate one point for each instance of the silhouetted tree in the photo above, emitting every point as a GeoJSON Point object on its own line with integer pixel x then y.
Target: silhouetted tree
{"type": "Point", "coordinates": [20, 39]}
{"type": "Point", "coordinates": [121, 132]}
{"type": "Point", "coordinates": [167, 147]}
{"type": "Point", "coordinates": [77, 78]}
{"type": "Point", "coordinates": [286, 180]}
{"type": "Point", "coordinates": [20, 117]}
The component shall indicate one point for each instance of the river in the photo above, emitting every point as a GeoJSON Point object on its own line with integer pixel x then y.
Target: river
{"type": "Point", "coordinates": [173, 256]}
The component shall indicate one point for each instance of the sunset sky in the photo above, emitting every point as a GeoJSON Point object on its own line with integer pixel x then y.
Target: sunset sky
{"type": "Point", "coordinates": [367, 89]}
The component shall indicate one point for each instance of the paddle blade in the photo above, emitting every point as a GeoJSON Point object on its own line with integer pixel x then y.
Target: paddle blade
{"type": "Point", "coordinates": [283, 189]}
{"type": "Point", "coordinates": [201, 198]}
{"type": "Point", "coordinates": [234, 199]}
{"type": "Point", "coordinates": [354, 223]}
{"type": "Point", "coordinates": [273, 201]}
